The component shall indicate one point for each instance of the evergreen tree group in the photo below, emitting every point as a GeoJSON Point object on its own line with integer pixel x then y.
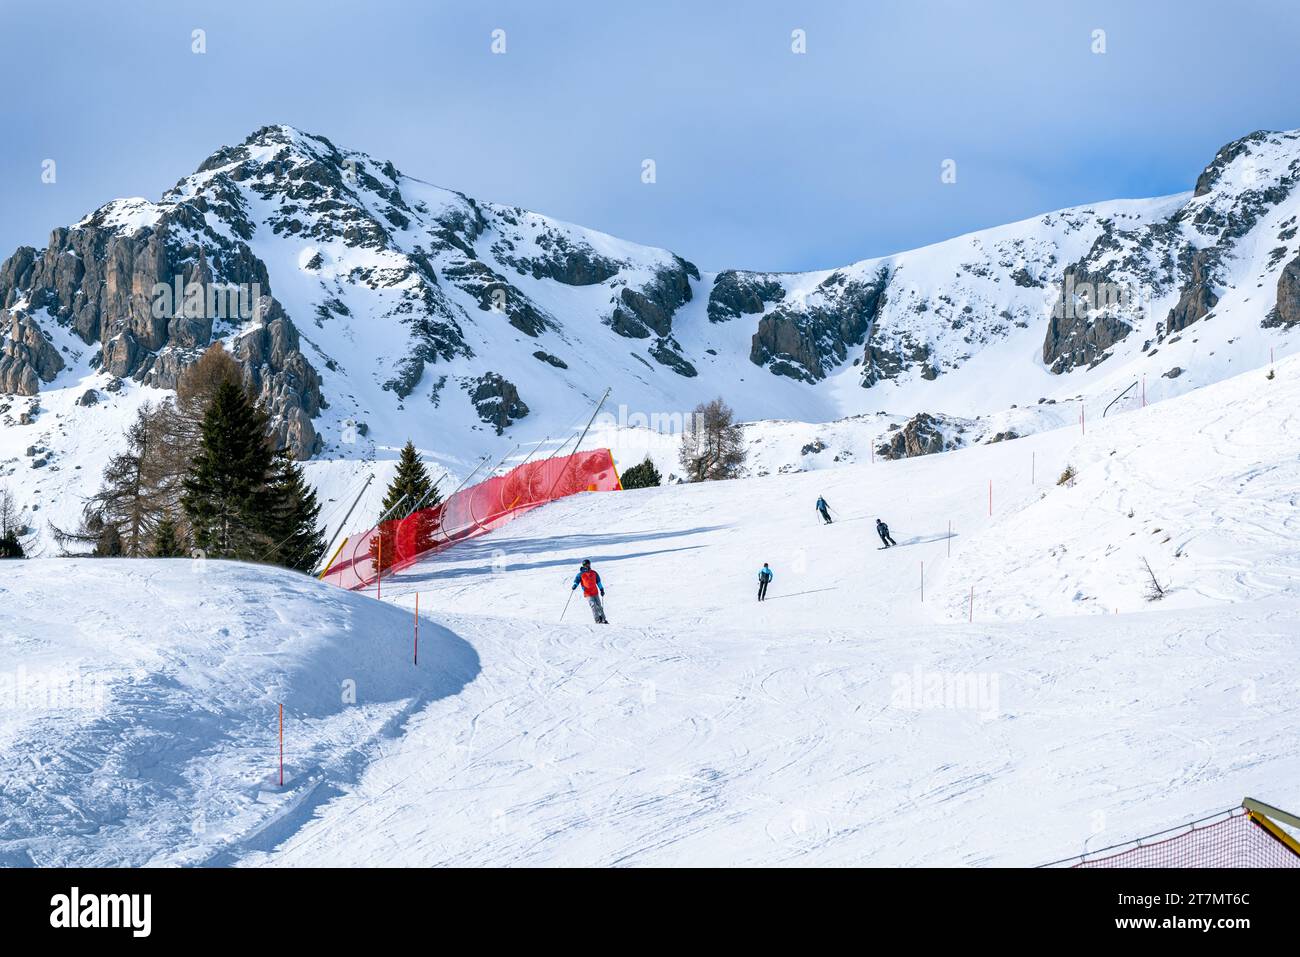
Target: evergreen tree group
{"type": "Point", "coordinates": [642, 475]}
{"type": "Point", "coordinates": [242, 499]}
{"type": "Point", "coordinates": [202, 472]}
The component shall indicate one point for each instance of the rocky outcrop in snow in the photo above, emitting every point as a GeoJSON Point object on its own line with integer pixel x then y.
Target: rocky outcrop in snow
{"type": "Point", "coordinates": [922, 435]}
{"type": "Point", "coordinates": [497, 400]}
{"type": "Point", "coordinates": [1287, 310]}
{"type": "Point", "coordinates": [26, 358]}
{"type": "Point", "coordinates": [807, 338]}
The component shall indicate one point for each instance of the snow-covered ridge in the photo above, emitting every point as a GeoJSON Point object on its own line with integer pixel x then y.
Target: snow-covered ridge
{"type": "Point", "coordinates": [395, 309]}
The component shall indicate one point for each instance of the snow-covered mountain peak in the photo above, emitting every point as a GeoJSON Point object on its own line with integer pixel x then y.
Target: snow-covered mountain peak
{"type": "Point", "coordinates": [367, 306]}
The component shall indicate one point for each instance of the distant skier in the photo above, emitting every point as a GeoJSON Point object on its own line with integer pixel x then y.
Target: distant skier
{"type": "Point", "coordinates": [883, 530]}
{"type": "Point", "coordinates": [592, 590]}
{"type": "Point", "coordinates": [764, 578]}
{"type": "Point", "coordinates": [824, 509]}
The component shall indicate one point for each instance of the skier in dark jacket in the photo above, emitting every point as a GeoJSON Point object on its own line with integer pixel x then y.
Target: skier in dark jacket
{"type": "Point", "coordinates": [883, 530]}
{"type": "Point", "coordinates": [764, 577]}
{"type": "Point", "coordinates": [592, 590]}
{"type": "Point", "coordinates": [824, 510]}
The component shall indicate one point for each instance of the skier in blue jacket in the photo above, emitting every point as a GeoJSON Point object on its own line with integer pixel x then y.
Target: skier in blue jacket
{"type": "Point", "coordinates": [764, 577]}
{"type": "Point", "coordinates": [824, 509]}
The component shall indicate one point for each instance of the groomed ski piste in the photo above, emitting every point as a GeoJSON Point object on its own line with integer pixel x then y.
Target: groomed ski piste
{"type": "Point", "coordinates": [1031, 704]}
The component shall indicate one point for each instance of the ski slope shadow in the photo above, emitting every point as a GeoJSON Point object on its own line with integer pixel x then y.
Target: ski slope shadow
{"type": "Point", "coordinates": [796, 594]}
{"type": "Point", "coordinates": [491, 549]}
{"type": "Point", "coordinates": [923, 540]}
{"type": "Point", "coordinates": [311, 785]}
{"type": "Point", "coordinates": [195, 737]}
{"type": "Point", "coordinates": [418, 574]}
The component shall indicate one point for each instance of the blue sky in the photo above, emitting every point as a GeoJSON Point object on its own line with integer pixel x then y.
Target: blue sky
{"type": "Point", "coordinates": [765, 159]}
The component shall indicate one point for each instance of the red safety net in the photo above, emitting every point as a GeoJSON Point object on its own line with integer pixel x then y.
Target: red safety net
{"type": "Point", "coordinates": [396, 543]}
{"type": "Point", "coordinates": [1233, 841]}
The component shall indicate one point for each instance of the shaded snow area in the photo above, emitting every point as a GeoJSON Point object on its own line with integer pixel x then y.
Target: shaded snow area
{"type": "Point", "coordinates": [139, 705]}
{"type": "Point", "coordinates": [1029, 704]}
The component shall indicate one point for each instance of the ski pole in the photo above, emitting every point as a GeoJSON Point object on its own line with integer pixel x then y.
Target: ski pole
{"type": "Point", "coordinates": [566, 602]}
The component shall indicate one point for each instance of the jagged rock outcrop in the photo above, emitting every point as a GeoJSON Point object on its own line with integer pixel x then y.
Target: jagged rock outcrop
{"type": "Point", "coordinates": [561, 257]}
{"type": "Point", "coordinates": [1130, 267]}
{"type": "Point", "coordinates": [922, 435]}
{"type": "Point", "coordinates": [497, 400]}
{"type": "Point", "coordinates": [26, 358]}
{"type": "Point", "coordinates": [1287, 310]}
{"type": "Point", "coordinates": [648, 312]}
{"type": "Point", "coordinates": [1210, 175]}
{"type": "Point", "coordinates": [1197, 297]}
{"type": "Point", "coordinates": [805, 340]}
{"type": "Point", "coordinates": [1082, 327]}
{"type": "Point", "coordinates": [155, 285]}
{"type": "Point", "coordinates": [276, 371]}
{"type": "Point", "coordinates": [641, 313]}
{"type": "Point", "coordinates": [737, 293]}
{"type": "Point", "coordinates": [882, 361]}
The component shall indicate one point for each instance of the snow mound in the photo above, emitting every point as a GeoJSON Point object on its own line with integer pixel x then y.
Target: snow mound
{"type": "Point", "coordinates": [141, 704]}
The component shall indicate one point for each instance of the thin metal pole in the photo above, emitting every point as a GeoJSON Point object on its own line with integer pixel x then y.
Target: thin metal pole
{"type": "Point", "coordinates": [442, 519]}
{"type": "Point", "coordinates": [577, 448]}
{"type": "Point", "coordinates": [343, 524]}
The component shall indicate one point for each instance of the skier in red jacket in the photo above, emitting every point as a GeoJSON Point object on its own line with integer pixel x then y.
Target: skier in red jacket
{"type": "Point", "coordinates": [592, 590]}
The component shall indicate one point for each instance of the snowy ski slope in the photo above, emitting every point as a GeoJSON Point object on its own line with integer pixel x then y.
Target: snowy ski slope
{"type": "Point", "coordinates": [844, 721]}
{"type": "Point", "coordinates": [704, 728]}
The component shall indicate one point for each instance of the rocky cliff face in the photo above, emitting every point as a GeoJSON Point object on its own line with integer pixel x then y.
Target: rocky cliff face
{"type": "Point", "coordinates": [372, 247]}
{"type": "Point", "coordinates": [348, 291]}
{"type": "Point", "coordinates": [26, 358]}
{"type": "Point", "coordinates": [806, 339]}
{"type": "Point", "coordinates": [1131, 269]}
{"type": "Point", "coordinates": [151, 286]}
{"type": "Point", "coordinates": [1287, 310]}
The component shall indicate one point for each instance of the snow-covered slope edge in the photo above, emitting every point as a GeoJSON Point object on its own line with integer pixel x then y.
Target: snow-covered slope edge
{"type": "Point", "coordinates": [141, 705]}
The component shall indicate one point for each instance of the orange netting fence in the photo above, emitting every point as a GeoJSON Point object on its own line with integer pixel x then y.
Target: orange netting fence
{"type": "Point", "coordinates": [396, 543]}
{"type": "Point", "coordinates": [1236, 838]}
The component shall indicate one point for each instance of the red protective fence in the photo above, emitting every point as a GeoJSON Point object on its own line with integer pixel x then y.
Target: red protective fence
{"type": "Point", "coordinates": [396, 543]}
{"type": "Point", "coordinates": [1236, 838]}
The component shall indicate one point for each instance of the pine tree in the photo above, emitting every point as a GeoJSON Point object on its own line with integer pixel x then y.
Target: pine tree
{"type": "Point", "coordinates": [642, 475]}
{"type": "Point", "coordinates": [166, 540]}
{"type": "Point", "coordinates": [10, 547]}
{"type": "Point", "coordinates": [410, 486]}
{"type": "Point", "coordinates": [224, 492]}
{"type": "Point", "coordinates": [294, 513]}
{"type": "Point", "coordinates": [410, 489]}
